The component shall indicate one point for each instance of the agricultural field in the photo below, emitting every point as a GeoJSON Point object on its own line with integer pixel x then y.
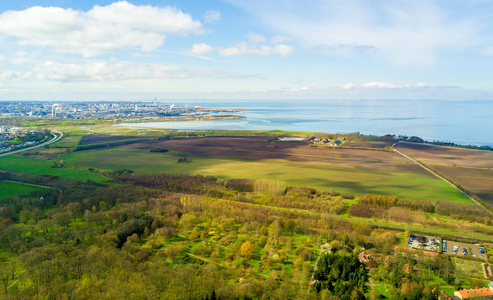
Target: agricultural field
{"type": "Point", "coordinates": [9, 189]}
{"type": "Point", "coordinates": [91, 139]}
{"type": "Point", "coordinates": [344, 170]}
{"type": "Point", "coordinates": [368, 145]}
{"type": "Point", "coordinates": [41, 166]}
{"type": "Point", "coordinates": [472, 169]}
{"type": "Point", "coordinates": [469, 268]}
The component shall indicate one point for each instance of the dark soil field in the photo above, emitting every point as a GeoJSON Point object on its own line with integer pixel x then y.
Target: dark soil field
{"type": "Point", "coordinates": [94, 139]}
{"type": "Point", "coordinates": [263, 147]}
{"type": "Point", "coordinates": [368, 145]}
{"type": "Point", "coordinates": [448, 156]}
{"type": "Point", "coordinates": [472, 169]}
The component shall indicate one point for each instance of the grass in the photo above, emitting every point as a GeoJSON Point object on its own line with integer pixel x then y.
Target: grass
{"type": "Point", "coordinates": [9, 189]}
{"type": "Point", "coordinates": [40, 167]}
{"type": "Point", "coordinates": [345, 179]}
{"type": "Point", "coordinates": [67, 142]}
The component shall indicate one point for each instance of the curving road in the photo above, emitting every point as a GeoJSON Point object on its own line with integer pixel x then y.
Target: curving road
{"type": "Point", "coordinates": [57, 135]}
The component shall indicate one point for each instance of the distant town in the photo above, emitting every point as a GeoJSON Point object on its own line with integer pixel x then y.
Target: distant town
{"type": "Point", "coordinates": [102, 110]}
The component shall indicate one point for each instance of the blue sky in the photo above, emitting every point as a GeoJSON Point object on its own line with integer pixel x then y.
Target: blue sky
{"type": "Point", "coordinates": [256, 49]}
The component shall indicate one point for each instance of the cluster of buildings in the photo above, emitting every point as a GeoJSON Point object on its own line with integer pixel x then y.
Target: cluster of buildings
{"type": "Point", "coordinates": [9, 138]}
{"type": "Point", "coordinates": [98, 110]}
{"type": "Point", "coordinates": [336, 142]}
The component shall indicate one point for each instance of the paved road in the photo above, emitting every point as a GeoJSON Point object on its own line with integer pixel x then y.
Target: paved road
{"type": "Point", "coordinates": [56, 137]}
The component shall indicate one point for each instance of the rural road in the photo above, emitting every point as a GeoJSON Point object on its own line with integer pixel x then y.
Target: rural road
{"type": "Point", "coordinates": [55, 138]}
{"type": "Point", "coordinates": [440, 177]}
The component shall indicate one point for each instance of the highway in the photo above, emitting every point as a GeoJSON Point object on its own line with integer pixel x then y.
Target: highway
{"type": "Point", "coordinates": [57, 135]}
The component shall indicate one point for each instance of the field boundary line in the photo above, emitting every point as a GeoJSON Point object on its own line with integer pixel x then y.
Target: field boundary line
{"type": "Point", "coordinates": [439, 176]}
{"type": "Point", "coordinates": [31, 184]}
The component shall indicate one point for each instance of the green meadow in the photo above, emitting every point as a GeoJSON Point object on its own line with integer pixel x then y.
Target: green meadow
{"type": "Point", "coordinates": [341, 178]}
{"type": "Point", "coordinates": [9, 189]}
{"type": "Point", "coordinates": [39, 166]}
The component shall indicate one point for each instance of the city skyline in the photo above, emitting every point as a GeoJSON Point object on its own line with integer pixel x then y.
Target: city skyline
{"type": "Point", "coordinates": [138, 50]}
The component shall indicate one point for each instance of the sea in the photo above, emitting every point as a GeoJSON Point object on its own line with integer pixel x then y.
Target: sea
{"type": "Point", "coordinates": [460, 122]}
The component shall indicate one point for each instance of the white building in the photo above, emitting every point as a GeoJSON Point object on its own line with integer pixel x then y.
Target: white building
{"type": "Point", "coordinates": [4, 129]}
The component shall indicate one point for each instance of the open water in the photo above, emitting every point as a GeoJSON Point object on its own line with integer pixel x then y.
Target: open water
{"type": "Point", "coordinates": [461, 122]}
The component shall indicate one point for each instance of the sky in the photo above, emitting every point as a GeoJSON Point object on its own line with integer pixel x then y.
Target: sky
{"type": "Point", "coordinates": [256, 49]}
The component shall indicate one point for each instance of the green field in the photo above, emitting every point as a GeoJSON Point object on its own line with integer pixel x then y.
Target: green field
{"type": "Point", "coordinates": [41, 166]}
{"type": "Point", "coordinates": [9, 189]}
{"type": "Point", "coordinates": [345, 179]}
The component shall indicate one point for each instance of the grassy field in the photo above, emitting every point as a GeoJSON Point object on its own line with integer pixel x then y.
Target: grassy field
{"type": "Point", "coordinates": [345, 179]}
{"type": "Point", "coordinates": [9, 189]}
{"type": "Point", "coordinates": [472, 169]}
{"type": "Point", "coordinates": [42, 166]}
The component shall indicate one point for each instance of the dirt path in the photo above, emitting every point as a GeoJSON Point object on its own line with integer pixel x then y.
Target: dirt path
{"type": "Point", "coordinates": [438, 176]}
{"type": "Point", "coordinates": [311, 282]}
{"type": "Point", "coordinates": [36, 185]}
{"type": "Point", "coordinates": [85, 128]}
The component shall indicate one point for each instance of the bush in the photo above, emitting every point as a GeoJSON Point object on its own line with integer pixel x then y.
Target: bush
{"type": "Point", "coordinates": [365, 211]}
{"type": "Point", "coordinates": [184, 160]}
{"type": "Point", "coordinates": [159, 150]}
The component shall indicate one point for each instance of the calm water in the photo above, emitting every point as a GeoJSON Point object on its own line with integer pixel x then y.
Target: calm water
{"type": "Point", "coordinates": [463, 122]}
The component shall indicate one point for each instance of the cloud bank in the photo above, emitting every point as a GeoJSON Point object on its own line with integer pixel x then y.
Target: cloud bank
{"type": "Point", "coordinates": [103, 29]}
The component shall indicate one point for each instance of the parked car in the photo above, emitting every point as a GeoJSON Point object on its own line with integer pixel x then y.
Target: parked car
{"type": "Point", "coordinates": [481, 250]}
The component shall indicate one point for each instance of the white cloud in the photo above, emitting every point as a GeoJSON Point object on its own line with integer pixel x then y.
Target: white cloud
{"type": "Point", "coordinates": [406, 33]}
{"type": "Point", "coordinates": [106, 72]}
{"type": "Point", "coordinates": [102, 29]}
{"type": "Point", "coordinates": [256, 38]}
{"type": "Point", "coordinates": [348, 86]}
{"type": "Point", "coordinates": [380, 85]}
{"type": "Point", "coordinates": [200, 49]}
{"type": "Point", "coordinates": [256, 46]}
{"type": "Point", "coordinates": [212, 16]}
{"type": "Point", "coordinates": [278, 39]}
{"type": "Point", "coordinates": [264, 50]}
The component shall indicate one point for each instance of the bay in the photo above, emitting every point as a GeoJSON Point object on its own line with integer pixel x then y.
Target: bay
{"type": "Point", "coordinates": [461, 122]}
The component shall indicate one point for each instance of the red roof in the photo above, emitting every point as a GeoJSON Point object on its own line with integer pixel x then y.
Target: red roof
{"type": "Point", "coordinates": [475, 293]}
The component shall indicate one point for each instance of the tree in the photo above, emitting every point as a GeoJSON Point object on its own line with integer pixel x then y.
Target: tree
{"type": "Point", "coordinates": [246, 249]}
{"type": "Point", "coordinates": [195, 234]}
{"type": "Point", "coordinates": [44, 225]}
{"type": "Point", "coordinates": [63, 219]}
{"type": "Point", "coordinates": [7, 273]}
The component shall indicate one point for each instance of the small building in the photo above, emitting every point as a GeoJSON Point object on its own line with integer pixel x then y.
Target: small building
{"type": "Point", "coordinates": [363, 257]}
{"type": "Point", "coordinates": [4, 129]}
{"type": "Point", "coordinates": [484, 293]}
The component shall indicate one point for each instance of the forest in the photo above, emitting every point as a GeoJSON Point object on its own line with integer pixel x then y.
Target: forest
{"type": "Point", "coordinates": [174, 236]}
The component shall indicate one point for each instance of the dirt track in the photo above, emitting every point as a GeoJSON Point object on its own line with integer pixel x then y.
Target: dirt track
{"type": "Point", "coordinates": [472, 169]}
